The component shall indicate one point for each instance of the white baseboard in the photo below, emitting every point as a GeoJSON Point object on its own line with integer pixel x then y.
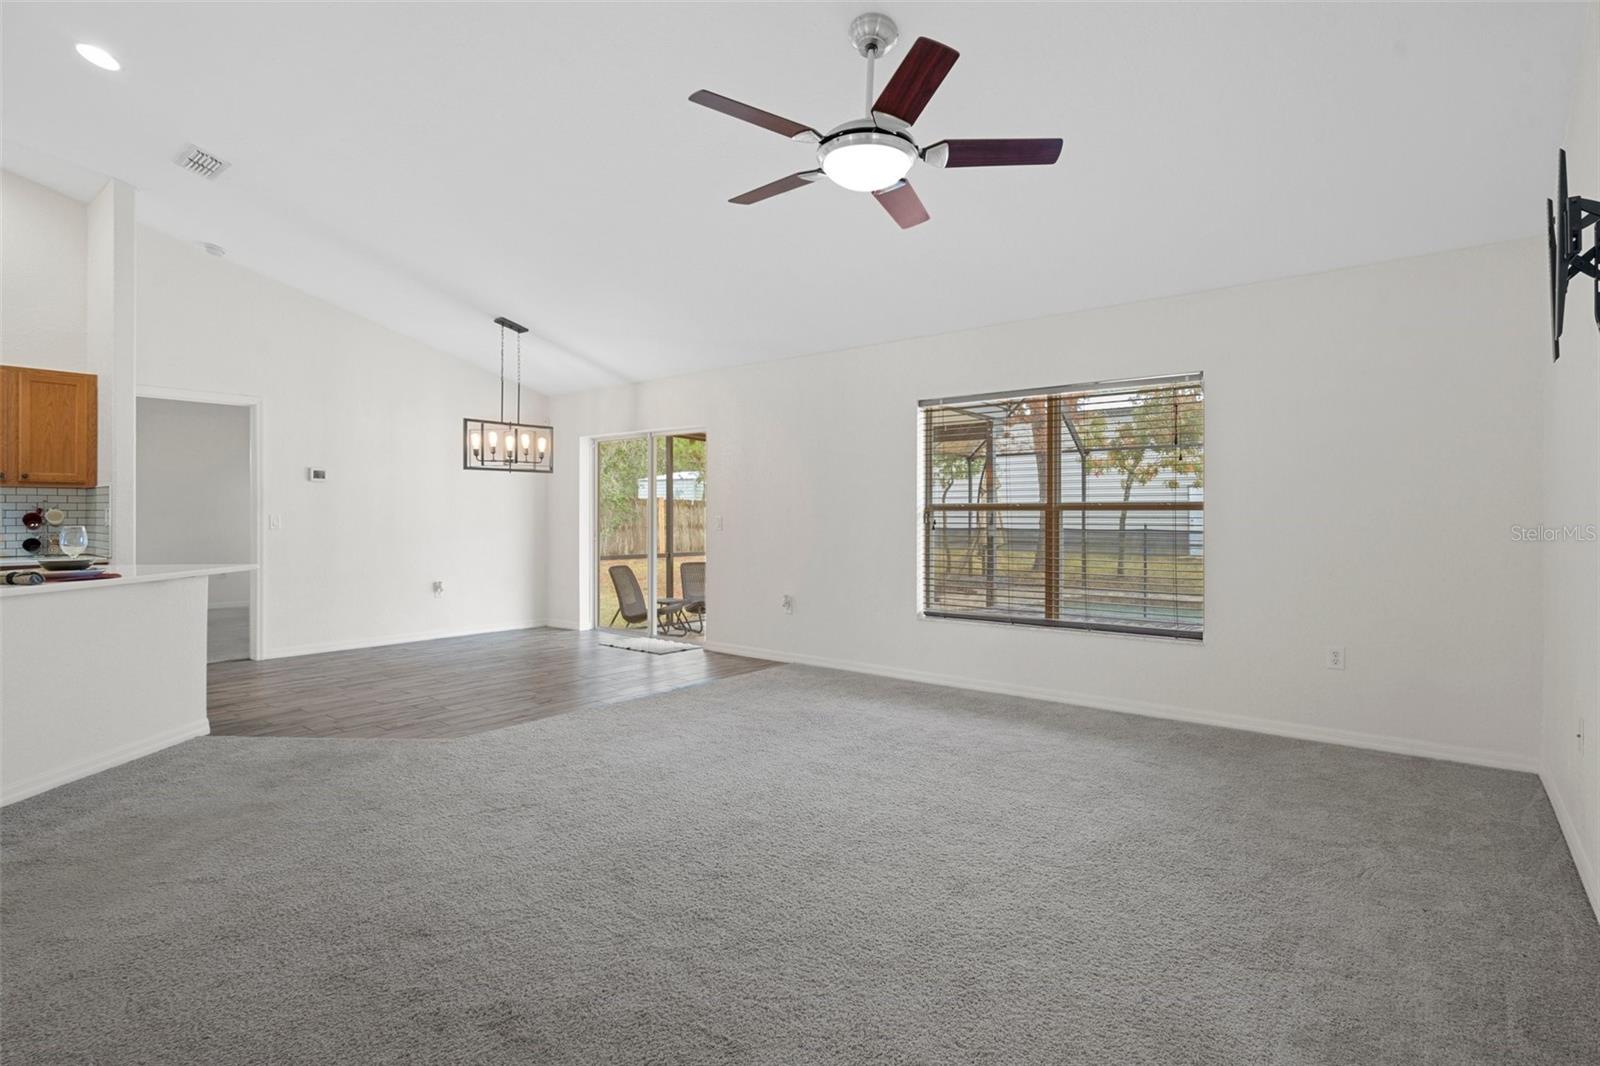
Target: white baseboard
{"type": "Point", "coordinates": [396, 638]}
{"type": "Point", "coordinates": [562, 623]}
{"type": "Point", "coordinates": [1580, 854]}
{"type": "Point", "coordinates": [1347, 737]}
{"type": "Point", "coordinates": [32, 786]}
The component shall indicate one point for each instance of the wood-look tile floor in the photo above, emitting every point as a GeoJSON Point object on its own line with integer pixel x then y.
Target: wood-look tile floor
{"type": "Point", "coordinates": [446, 688]}
{"type": "Point", "coordinates": [227, 634]}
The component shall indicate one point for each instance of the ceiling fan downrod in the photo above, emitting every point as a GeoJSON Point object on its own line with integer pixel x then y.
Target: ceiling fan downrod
{"type": "Point", "coordinates": [873, 34]}
{"type": "Point", "coordinates": [872, 55]}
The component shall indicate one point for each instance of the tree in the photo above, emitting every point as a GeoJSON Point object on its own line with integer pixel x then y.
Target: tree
{"type": "Point", "coordinates": [1025, 428]}
{"type": "Point", "coordinates": [623, 464]}
{"type": "Point", "coordinates": [1156, 432]}
{"type": "Point", "coordinates": [949, 468]}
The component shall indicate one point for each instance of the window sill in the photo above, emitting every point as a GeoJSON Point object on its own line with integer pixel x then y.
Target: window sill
{"type": "Point", "coordinates": [1195, 639]}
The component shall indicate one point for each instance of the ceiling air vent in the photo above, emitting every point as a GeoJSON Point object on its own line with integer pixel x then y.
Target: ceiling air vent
{"type": "Point", "coordinates": [201, 162]}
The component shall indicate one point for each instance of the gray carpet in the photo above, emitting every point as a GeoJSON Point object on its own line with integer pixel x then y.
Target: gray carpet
{"type": "Point", "coordinates": [796, 866]}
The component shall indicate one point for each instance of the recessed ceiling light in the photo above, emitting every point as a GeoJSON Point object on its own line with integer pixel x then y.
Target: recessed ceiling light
{"type": "Point", "coordinates": [99, 57]}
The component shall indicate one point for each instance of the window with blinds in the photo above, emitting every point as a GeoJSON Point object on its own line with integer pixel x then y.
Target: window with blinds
{"type": "Point", "coordinates": [1080, 507]}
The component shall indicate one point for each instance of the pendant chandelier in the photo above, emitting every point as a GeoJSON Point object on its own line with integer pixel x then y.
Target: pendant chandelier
{"type": "Point", "coordinates": [506, 444]}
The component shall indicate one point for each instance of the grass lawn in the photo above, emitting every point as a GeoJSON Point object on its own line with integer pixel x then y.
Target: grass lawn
{"type": "Point", "coordinates": [606, 605]}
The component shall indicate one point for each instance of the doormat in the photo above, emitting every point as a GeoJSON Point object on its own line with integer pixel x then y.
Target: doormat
{"type": "Point", "coordinates": [649, 645]}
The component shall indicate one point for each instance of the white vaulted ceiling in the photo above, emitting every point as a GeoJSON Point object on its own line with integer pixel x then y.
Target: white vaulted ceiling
{"type": "Point", "coordinates": [431, 166]}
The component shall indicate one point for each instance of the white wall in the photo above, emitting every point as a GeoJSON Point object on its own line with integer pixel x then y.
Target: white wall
{"type": "Point", "coordinates": [355, 559]}
{"type": "Point", "coordinates": [1570, 417]}
{"type": "Point", "coordinates": [42, 271]}
{"type": "Point", "coordinates": [195, 501]}
{"type": "Point", "coordinates": [1387, 406]}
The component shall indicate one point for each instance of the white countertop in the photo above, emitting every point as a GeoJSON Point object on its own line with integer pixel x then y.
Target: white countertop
{"type": "Point", "coordinates": [132, 574]}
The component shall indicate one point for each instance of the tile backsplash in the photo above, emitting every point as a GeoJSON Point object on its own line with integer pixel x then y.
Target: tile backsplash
{"type": "Point", "coordinates": [90, 508]}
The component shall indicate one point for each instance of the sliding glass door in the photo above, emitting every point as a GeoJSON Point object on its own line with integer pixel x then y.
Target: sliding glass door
{"type": "Point", "coordinates": [681, 544]}
{"type": "Point", "coordinates": [650, 534]}
{"type": "Point", "coordinates": [622, 533]}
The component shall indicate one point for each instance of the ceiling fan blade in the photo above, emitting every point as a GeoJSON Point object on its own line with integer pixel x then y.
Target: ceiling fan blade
{"type": "Point", "coordinates": [916, 79]}
{"type": "Point", "coordinates": [773, 188]}
{"type": "Point", "coordinates": [903, 204]}
{"type": "Point", "coordinates": [1015, 152]}
{"type": "Point", "coordinates": [788, 127]}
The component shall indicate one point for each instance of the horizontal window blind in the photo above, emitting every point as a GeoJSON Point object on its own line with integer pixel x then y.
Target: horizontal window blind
{"type": "Point", "coordinates": [1081, 507]}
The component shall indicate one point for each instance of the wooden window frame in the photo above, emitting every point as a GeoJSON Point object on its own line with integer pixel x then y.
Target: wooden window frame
{"type": "Point", "coordinates": [1051, 510]}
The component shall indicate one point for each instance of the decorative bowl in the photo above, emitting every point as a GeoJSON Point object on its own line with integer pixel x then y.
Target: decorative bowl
{"type": "Point", "coordinates": [83, 562]}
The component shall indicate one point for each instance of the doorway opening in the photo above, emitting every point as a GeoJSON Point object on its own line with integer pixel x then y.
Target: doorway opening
{"type": "Point", "coordinates": [650, 535]}
{"type": "Point", "coordinates": [196, 500]}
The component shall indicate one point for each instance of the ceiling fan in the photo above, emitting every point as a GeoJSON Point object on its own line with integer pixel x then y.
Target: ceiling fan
{"type": "Point", "coordinates": [875, 152]}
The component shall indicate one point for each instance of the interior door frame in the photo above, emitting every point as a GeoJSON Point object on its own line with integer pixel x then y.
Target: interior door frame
{"type": "Point", "coordinates": [652, 582]}
{"type": "Point", "coordinates": [258, 495]}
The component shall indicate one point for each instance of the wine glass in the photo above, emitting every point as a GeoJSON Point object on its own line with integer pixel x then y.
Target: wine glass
{"type": "Point", "coordinates": [74, 540]}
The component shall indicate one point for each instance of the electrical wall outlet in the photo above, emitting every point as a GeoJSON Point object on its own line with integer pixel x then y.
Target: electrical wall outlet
{"type": "Point", "coordinates": [274, 521]}
{"type": "Point", "coordinates": [787, 604]}
{"type": "Point", "coordinates": [1335, 658]}
{"type": "Point", "coordinates": [438, 589]}
{"type": "Point", "coordinates": [718, 523]}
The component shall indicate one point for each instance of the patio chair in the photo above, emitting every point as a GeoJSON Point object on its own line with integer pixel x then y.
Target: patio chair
{"type": "Point", "coordinates": [630, 598]}
{"type": "Point", "coordinates": [631, 606]}
{"type": "Point", "coordinates": [694, 596]}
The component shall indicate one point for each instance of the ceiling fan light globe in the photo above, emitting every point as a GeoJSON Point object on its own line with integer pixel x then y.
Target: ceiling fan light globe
{"type": "Point", "coordinates": [867, 162]}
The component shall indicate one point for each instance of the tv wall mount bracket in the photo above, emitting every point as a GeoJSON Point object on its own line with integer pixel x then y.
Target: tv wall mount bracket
{"type": "Point", "coordinates": [1566, 218]}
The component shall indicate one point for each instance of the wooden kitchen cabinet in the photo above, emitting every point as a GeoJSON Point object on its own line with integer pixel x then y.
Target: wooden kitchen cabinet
{"type": "Point", "coordinates": [49, 427]}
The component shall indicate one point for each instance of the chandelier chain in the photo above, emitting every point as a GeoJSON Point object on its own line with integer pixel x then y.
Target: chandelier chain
{"type": "Point", "coordinates": [502, 373]}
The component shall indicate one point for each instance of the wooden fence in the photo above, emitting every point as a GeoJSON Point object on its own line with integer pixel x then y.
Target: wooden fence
{"type": "Point", "coordinates": [630, 539]}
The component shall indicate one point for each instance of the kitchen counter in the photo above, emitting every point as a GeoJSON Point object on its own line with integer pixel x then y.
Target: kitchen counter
{"type": "Point", "coordinates": [132, 574]}
{"type": "Point", "coordinates": [113, 672]}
